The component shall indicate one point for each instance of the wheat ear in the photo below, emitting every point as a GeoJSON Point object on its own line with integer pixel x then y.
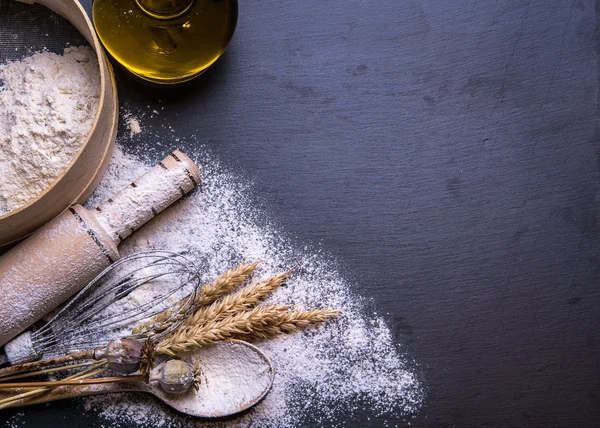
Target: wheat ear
{"type": "Point", "coordinates": [225, 283]}
{"type": "Point", "coordinates": [260, 322]}
{"type": "Point", "coordinates": [243, 300]}
{"type": "Point", "coordinates": [207, 294]}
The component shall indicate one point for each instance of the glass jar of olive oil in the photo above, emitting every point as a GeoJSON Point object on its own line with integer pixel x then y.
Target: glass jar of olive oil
{"type": "Point", "coordinates": [165, 41]}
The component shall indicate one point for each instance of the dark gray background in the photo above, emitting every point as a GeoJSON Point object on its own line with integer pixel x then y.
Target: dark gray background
{"type": "Point", "coordinates": [446, 152]}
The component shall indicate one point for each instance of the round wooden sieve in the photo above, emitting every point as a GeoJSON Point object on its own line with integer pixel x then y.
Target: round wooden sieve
{"type": "Point", "coordinates": [81, 176]}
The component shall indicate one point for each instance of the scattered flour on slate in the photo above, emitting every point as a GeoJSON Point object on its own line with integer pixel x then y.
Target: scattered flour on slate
{"type": "Point", "coordinates": [323, 374]}
{"type": "Point", "coordinates": [16, 420]}
{"type": "Point", "coordinates": [134, 123]}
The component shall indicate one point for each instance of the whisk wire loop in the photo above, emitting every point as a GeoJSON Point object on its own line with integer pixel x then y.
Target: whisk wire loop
{"type": "Point", "coordinates": [160, 276]}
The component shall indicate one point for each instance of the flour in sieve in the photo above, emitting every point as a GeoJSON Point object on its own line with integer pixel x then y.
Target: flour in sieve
{"type": "Point", "coordinates": [323, 375]}
{"type": "Point", "coordinates": [48, 103]}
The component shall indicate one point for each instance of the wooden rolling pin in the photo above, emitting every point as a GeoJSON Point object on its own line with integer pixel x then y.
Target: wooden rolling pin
{"type": "Point", "coordinates": [64, 255]}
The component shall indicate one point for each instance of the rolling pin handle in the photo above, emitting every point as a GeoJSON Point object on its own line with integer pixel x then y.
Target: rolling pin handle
{"type": "Point", "coordinates": [125, 212]}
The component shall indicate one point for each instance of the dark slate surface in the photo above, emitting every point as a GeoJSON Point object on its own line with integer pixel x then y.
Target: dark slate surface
{"type": "Point", "coordinates": [446, 152]}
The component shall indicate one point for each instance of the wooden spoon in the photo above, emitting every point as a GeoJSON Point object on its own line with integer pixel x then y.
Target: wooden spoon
{"type": "Point", "coordinates": [234, 377]}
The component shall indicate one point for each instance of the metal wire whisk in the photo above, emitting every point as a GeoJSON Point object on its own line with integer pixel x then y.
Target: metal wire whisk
{"type": "Point", "coordinates": [107, 306]}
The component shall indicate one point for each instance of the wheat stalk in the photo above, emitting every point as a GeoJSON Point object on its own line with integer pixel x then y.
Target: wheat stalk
{"type": "Point", "coordinates": [207, 294]}
{"type": "Point", "coordinates": [23, 397]}
{"type": "Point", "coordinates": [260, 322]}
{"type": "Point", "coordinates": [243, 300]}
{"type": "Point", "coordinates": [293, 320]}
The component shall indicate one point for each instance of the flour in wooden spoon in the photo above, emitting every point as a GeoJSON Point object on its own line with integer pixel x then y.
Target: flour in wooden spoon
{"type": "Point", "coordinates": [343, 367]}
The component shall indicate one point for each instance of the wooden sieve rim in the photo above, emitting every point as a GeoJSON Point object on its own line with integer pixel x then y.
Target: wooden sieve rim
{"type": "Point", "coordinates": [68, 9]}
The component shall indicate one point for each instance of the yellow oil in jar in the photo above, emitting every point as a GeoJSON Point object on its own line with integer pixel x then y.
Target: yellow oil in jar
{"type": "Point", "coordinates": [165, 41]}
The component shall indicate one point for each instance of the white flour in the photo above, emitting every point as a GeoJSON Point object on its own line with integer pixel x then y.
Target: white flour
{"type": "Point", "coordinates": [232, 376]}
{"type": "Point", "coordinates": [133, 124]}
{"type": "Point", "coordinates": [48, 103]}
{"type": "Point", "coordinates": [338, 370]}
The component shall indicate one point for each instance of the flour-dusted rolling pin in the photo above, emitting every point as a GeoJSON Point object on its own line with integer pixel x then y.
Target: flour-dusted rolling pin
{"type": "Point", "coordinates": [61, 257]}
